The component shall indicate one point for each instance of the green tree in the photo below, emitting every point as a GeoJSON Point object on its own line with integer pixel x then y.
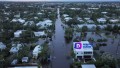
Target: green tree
{"type": "Point", "coordinates": [84, 28]}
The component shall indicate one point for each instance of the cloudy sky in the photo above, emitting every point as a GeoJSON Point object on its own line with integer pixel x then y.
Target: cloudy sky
{"type": "Point", "coordinates": [59, 0]}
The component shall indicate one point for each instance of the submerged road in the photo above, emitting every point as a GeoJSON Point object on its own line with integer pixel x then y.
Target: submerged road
{"type": "Point", "coordinates": [59, 49]}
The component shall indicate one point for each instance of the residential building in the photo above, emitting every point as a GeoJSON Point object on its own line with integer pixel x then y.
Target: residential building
{"type": "Point", "coordinates": [83, 50]}
{"type": "Point", "coordinates": [2, 46]}
{"type": "Point", "coordinates": [25, 59]}
{"type": "Point", "coordinates": [15, 48]}
{"type": "Point", "coordinates": [101, 20]}
{"type": "Point", "coordinates": [39, 33]}
{"type": "Point", "coordinates": [36, 51]}
{"type": "Point", "coordinates": [18, 33]}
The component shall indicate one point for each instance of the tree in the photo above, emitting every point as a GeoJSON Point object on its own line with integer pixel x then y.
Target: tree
{"type": "Point", "coordinates": [23, 53]}
{"type": "Point", "coordinates": [84, 28]}
{"type": "Point", "coordinates": [98, 28]}
{"type": "Point", "coordinates": [44, 53]}
{"type": "Point", "coordinates": [27, 37]}
{"type": "Point", "coordinates": [73, 21]}
{"type": "Point", "coordinates": [116, 29]}
{"type": "Point", "coordinates": [68, 34]}
{"type": "Point", "coordinates": [109, 28]}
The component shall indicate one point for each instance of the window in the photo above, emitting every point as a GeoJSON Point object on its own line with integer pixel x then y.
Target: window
{"type": "Point", "coordinates": [87, 52]}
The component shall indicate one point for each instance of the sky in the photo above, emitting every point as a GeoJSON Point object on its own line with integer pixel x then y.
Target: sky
{"type": "Point", "coordinates": [60, 0]}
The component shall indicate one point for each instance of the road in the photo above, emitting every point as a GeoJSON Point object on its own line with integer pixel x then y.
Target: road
{"type": "Point", "coordinates": [59, 48]}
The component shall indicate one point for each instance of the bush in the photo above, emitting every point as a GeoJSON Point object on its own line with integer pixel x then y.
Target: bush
{"type": "Point", "coordinates": [68, 34]}
{"type": "Point", "coordinates": [77, 64]}
{"type": "Point", "coordinates": [103, 44]}
{"type": "Point", "coordinates": [96, 47]}
{"type": "Point", "coordinates": [102, 40]}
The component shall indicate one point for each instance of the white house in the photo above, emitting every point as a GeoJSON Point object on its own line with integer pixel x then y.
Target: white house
{"type": "Point", "coordinates": [104, 12]}
{"type": "Point", "coordinates": [15, 48]}
{"type": "Point", "coordinates": [80, 19]}
{"type": "Point", "coordinates": [44, 23]}
{"type": "Point", "coordinates": [2, 46]}
{"type": "Point", "coordinates": [65, 15]}
{"type": "Point", "coordinates": [83, 50]}
{"type": "Point", "coordinates": [39, 13]}
{"type": "Point", "coordinates": [93, 8]}
{"type": "Point", "coordinates": [39, 33]}
{"type": "Point", "coordinates": [35, 17]}
{"type": "Point", "coordinates": [114, 20]}
{"type": "Point", "coordinates": [14, 20]}
{"type": "Point", "coordinates": [18, 20]}
{"type": "Point", "coordinates": [74, 8]}
{"type": "Point", "coordinates": [17, 16]}
{"type": "Point", "coordinates": [87, 18]}
{"type": "Point", "coordinates": [90, 21]}
{"type": "Point", "coordinates": [36, 51]}
{"type": "Point", "coordinates": [28, 23]}
{"type": "Point", "coordinates": [101, 20]}
{"type": "Point", "coordinates": [25, 59]}
{"type": "Point", "coordinates": [18, 33]}
{"type": "Point", "coordinates": [89, 26]}
{"type": "Point", "coordinates": [14, 62]}
{"type": "Point", "coordinates": [67, 19]}
{"type": "Point", "coordinates": [88, 66]}
{"type": "Point", "coordinates": [21, 20]}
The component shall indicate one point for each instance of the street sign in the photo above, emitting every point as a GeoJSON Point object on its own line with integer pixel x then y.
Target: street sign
{"type": "Point", "coordinates": [77, 45]}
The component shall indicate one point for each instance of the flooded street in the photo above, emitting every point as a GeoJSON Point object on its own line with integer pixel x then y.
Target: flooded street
{"type": "Point", "coordinates": [59, 48]}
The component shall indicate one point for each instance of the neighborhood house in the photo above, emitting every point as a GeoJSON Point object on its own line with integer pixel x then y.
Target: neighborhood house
{"type": "Point", "coordinates": [101, 20]}
{"type": "Point", "coordinates": [36, 51]}
{"type": "Point", "coordinates": [15, 48]}
{"type": "Point", "coordinates": [44, 23]}
{"type": "Point", "coordinates": [39, 33]}
{"type": "Point", "coordinates": [83, 50]}
{"type": "Point", "coordinates": [18, 33]}
{"type": "Point", "coordinates": [2, 46]}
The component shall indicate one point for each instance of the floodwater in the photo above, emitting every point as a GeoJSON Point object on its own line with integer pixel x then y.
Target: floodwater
{"type": "Point", "coordinates": [113, 47]}
{"type": "Point", "coordinates": [59, 47]}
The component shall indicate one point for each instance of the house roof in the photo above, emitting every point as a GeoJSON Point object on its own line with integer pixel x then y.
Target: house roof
{"type": "Point", "coordinates": [74, 8]}
{"type": "Point", "coordinates": [25, 59]}
{"type": "Point", "coordinates": [19, 20]}
{"type": "Point", "coordinates": [40, 33]}
{"type": "Point", "coordinates": [88, 66]}
{"type": "Point", "coordinates": [101, 20]}
{"type": "Point", "coordinates": [65, 15]}
{"type": "Point", "coordinates": [104, 12]}
{"type": "Point", "coordinates": [18, 32]}
{"type": "Point", "coordinates": [2, 46]}
{"type": "Point", "coordinates": [28, 23]}
{"type": "Point", "coordinates": [88, 25]}
{"type": "Point", "coordinates": [14, 49]}
{"type": "Point", "coordinates": [87, 18]}
{"type": "Point", "coordinates": [67, 18]}
{"type": "Point", "coordinates": [37, 49]}
{"type": "Point", "coordinates": [39, 13]}
{"type": "Point", "coordinates": [14, 62]}
{"type": "Point", "coordinates": [43, 23]}
{"type": "Point", "coordinates": [114, 20]}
